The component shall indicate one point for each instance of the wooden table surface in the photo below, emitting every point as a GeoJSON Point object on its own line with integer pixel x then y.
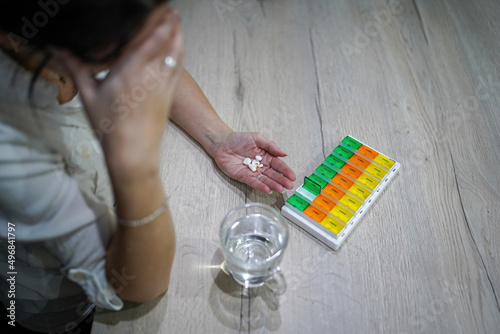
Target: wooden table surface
{"type": "Point", "coordinates": [418, 80]}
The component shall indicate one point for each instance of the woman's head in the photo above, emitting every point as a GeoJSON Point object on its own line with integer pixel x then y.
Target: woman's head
{"type": "Point", "coordinates": [93, 30]}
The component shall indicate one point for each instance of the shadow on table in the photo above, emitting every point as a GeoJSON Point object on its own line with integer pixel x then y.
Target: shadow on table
{"type": "Point", "coordinates": [242, 309]}
{"type": "Point", "coordinates": [132, 311]}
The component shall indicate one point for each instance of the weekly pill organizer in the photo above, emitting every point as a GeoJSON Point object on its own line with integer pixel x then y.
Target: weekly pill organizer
{"type": "Point", "coordinates": [335, 197]}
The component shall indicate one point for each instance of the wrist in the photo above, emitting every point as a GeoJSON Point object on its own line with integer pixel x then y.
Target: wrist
{"type": "Point", "coordinates": [130, 168]}
{"type": "Point", "coordinates": [214, 140]}
{"type": "Point", "coordinates": [138, 196]}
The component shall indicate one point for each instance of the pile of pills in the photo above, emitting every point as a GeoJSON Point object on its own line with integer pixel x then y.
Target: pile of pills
{"type": "Point", "coordinates": [253, 164]}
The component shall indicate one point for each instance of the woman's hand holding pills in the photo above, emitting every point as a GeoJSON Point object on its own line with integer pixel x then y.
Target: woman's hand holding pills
{"type": "Point", "coordinates": [271, 174]}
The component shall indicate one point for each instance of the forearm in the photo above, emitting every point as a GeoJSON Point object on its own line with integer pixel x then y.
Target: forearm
{"type": "Point", "coordinates": [193, 112]}
{"type": "Point", "coordinates": [139, 259]}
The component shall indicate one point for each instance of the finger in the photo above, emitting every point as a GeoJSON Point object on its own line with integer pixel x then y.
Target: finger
{"type": "Point", "coordinates": [163, 14]}
{"type": "Point", "coordinates": [280, 166]}
{"type": "Point", "coordinates": [269, 146]}
{"type": "Point", "coordinates": [254, 182]}
{"type": "Point", "coordinates": [176, 50]}
{"type": "Point", "coordinates": [153, 42]}
{"type": "Point", "coordinates": [272, 184]}
{"type": "Point", "coordinates": [279, 178]}
{"type": "Point", "coordinates": [79, 72]}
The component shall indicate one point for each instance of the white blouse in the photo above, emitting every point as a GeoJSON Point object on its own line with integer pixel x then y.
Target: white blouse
{"type": "Point", "coordinates": [56, 194]}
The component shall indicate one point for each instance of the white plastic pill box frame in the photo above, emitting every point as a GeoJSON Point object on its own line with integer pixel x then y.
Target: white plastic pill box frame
{"type": "Point", "coordinates": [320, 232]}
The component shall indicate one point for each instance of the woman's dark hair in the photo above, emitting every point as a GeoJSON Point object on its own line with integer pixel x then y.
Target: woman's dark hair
{"type": "Point", "coordinates": [84, 27]}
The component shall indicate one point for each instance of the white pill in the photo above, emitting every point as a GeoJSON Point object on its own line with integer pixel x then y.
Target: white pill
{"type": "Point", "coordinates": [258, 158]}
{"type": "Point", "coordinates": [261, 165]}
{"type": "Point", "coordinates": [247, 161]}
{"type": "Point", "coordinates": [252, 168]}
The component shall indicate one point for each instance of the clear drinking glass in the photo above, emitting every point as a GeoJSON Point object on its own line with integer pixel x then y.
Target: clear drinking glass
{"type": "Point", "coordinates": [253, 238]}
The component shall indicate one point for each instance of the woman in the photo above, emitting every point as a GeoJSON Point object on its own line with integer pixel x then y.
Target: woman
{"type": "Point", "coordinates": [69, 172]}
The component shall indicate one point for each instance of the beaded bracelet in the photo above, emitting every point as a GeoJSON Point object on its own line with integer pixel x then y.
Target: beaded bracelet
{"type": "Point", "coordinates": [145, 220]}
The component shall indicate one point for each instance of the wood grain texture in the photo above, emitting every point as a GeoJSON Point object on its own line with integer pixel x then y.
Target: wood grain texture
{"type": "Point", "coordinates": [418, 80]}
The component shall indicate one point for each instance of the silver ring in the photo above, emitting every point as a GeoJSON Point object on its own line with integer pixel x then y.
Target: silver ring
{"type": "Point", "coordinates": [171, 62]}
{"type": "Point", "coordinates": [259, 176]}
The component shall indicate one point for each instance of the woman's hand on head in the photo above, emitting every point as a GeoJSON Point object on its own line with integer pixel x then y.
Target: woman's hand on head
{"type": "Point", "coordinates": [234, 147]}
{"type": "Point", "coordinates": [129, 109]}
